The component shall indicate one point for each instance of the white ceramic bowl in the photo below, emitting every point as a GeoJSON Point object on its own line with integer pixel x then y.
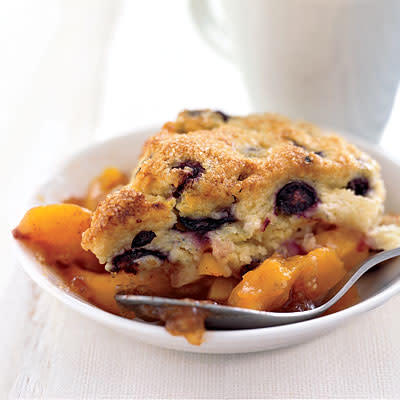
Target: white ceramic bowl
{"type": "Point", "coordinates": [123, 152]}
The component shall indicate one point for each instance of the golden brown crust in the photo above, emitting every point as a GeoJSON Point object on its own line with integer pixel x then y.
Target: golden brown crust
{"type": "Point", "coordinates": [122, 214]}
{"type": "Point", "coordinates": [205, 162]}
{"type": "Point", "coordinates": [240, 162]}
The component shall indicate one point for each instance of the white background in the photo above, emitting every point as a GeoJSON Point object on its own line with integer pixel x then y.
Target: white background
{"type": "Point", "coordinates": [74, 71]}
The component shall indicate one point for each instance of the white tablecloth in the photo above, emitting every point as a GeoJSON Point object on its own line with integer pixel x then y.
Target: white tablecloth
{"type": "Point", "coordinates": [78, 70]}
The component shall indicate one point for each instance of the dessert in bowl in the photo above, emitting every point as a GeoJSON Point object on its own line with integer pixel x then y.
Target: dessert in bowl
{"type": "Point", "coordinates": [255, 212]}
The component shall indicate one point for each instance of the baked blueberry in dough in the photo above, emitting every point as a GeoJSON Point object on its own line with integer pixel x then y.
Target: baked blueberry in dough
{"type": "Point", "coordinates": [295, 198]}
{"type": "Point", "coordinates": [208, 182]}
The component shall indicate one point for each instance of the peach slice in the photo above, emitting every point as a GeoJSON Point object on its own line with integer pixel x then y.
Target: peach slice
{"type": "Point", "coordinates": [349, 245]}
{"type": "Point", "coordinates": [55, 232]}
{"type": "Point", "coordinates": [221, 288]}
{"type": "Point", "coordinates": [269, 286]}
{"type": "Point", "coordinates": [322, 269]}
{"type": "Point", "coordinates": [210, 266]}
{"type": "Point", "coordinates": [103, 184]}
{"type": "Point", "coordinates": [266, 287]}
{"type": "Point", "coordinates": [100, 288]}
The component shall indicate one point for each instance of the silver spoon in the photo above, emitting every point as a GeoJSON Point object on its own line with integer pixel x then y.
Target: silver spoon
{"type": "Point", "coordinates": [226, 317]}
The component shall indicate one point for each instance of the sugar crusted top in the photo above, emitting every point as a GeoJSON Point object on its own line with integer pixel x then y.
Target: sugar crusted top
{"type": "Point", "coordinates": [206, 162]}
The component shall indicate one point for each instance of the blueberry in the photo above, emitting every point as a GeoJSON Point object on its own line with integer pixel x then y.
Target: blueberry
{"type": "Point", "coordinates": [195, 166]}
{"type": "Point", "coordinates": [143, 238]}
{"type": "Point", "coordinates": [249, 267]}
{"type": "Point", "coordinates": [298, 144]}
{"type": "Point", "coordinates": [319, 153]}
{"type": "Point", "coordinates": [196, 171]}
{"type": "Point", "coordinates": [242, 176]}
{"type": "Point", "coordinates": [308, 160]}
{"type": "Point", "coordinates": [203, 225]}
{"type": "Point", "coordinates": [360, 186]}
{"type": "Point", "coordinates": [295, 198]}
{"type": "Point", "coordinates": [225, 117]}
{"type": "Point", "coordinates": [126, 261]}
{"type": "Point", "coordinates": [195, 113]}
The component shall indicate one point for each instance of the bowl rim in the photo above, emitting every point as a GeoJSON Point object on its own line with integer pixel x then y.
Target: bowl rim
{"type": "Point", "coordinates": [34, 269]}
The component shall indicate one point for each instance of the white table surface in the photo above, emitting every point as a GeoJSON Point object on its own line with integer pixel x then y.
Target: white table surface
{"type": "Point", "coordinates": [74, 71]}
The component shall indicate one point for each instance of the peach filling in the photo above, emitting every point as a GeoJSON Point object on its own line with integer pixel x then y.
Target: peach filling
{"type": "Point", "coordinates": [269, 286]}
{"type": "Point", "coordinates": [54, 233]}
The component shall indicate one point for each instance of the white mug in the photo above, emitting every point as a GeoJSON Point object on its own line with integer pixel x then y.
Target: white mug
{"type": "Point", "coordinates": [332, 62]}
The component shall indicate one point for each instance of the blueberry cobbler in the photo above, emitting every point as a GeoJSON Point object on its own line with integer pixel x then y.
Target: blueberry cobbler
{"type": "Point", "coordinates": [257, 212]}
